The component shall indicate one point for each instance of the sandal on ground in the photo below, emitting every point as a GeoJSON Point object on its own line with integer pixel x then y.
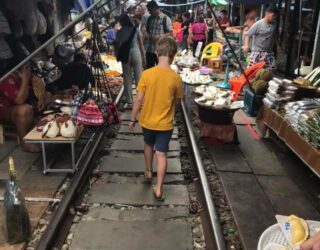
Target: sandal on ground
{"type": "Point", "coordinates": [159, 198]}
{"type": "Point", "coordinates": [148, 175]}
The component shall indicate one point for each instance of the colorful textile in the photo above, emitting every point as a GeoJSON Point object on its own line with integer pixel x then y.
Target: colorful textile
{"type": "Point", "coordinates": [177, 32]}
{"type": "Point", "coordinates": [8, 92]}
{"type": "Point", "coordinates": [268, 57]}
{"type": "Point", "coordinates": [198, 31]}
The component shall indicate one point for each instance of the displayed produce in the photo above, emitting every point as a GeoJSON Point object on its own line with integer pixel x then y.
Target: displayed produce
{"type": "Point", "coordinates": [295, 229]}
{"type": "Point", "coordinates": [279, 92]}
{"type": "Point", "coordinates": [113, 68]}
{"type": "Point", "coordinates": [259, 84]}
{"type": "Point", "coordinates": [304, 117]}
{"type": "Point", "coordinates": [187, 61]}
{"type": "Point", "coordinates": [216, 98]}
{"type": "Point", "coordinates": [194, 77]}
{"type": "Point", "coordinates": [298, 229]}
{"type": "Point", "coordinates": [311, 80]}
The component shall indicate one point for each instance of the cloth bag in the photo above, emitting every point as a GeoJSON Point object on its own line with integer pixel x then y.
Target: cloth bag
{"type": "Point", "coordinates": [124, 50]}
{"type": "Point", "coordinates": [90, 114]}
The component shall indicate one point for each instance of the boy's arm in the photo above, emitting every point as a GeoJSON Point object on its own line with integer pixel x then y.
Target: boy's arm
{"type": "Point", "coordinates": [135, 110]}
{"type": "Point", "coordinates": [179, 92]}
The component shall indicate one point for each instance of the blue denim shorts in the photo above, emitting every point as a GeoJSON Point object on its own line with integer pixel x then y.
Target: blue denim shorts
{"type": "Point", "coordinates": [157, 139]}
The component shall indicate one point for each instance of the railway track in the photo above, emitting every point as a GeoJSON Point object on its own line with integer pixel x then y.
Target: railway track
{"type": "Point", "coordinates": [108, 205]}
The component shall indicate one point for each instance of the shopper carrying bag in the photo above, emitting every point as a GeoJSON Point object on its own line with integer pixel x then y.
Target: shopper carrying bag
{"type": "Point", "coordinates": [130, 52]}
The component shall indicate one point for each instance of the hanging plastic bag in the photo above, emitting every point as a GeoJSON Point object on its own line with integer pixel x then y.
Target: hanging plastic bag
{"type": "Point", "coordinates": [16, 214]}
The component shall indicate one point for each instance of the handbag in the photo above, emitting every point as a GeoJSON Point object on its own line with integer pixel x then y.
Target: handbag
{"type": "Point", "coordinates": [124, 50]}
{"type": "Point", "coordinates": [90, 114]}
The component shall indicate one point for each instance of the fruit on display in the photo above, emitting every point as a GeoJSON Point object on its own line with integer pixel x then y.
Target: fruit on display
{"type": "Point", "coordinates": [298, 229]}
{"type": "Point", "coordinates": [259, 87]}
{"type": "Point", "coordinates": [259, 84]}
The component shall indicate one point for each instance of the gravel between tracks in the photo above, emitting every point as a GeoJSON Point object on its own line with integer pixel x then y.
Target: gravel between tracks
{"type": "Point", "coordinates": [229, 227]}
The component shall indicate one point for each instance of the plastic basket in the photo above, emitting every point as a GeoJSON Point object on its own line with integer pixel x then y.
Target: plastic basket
{"type": "Point", "coordinates": [273, 236]}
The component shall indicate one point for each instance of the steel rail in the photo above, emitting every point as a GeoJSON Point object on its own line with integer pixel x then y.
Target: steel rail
{"type": "Point", "coordinates": [214, 220]}
{"type": "Point", "coordinates": [78, 19]}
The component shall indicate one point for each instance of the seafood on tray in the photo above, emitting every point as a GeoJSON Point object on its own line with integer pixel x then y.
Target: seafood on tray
{"type": "Point", "coordinates": [214, 97]}
{"type": "Point", "coordinates": [194, 77]}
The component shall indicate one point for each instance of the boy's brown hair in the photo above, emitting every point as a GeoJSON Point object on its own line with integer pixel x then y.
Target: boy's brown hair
{"type": "Point", "coordinates": [167, 46]}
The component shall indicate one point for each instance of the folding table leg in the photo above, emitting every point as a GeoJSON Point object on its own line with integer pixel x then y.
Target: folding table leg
{"type": "Point", "coordinates": [44, 158]}
{"type": "Point", "coordinates": [73, 157]}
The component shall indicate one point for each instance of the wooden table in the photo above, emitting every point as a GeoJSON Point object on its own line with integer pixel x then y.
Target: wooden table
{"type": "Point", "coordinates": [299, 145]}
{"type": "Point", "coordinates": [35, 137]}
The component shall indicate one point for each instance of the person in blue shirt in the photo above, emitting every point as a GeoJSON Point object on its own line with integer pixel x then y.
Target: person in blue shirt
{"type": "Point", "coordinates": [111, 36]}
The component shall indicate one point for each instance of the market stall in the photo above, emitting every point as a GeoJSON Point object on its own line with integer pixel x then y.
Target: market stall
{"type": "Point", "coordinates": [73, 110]}
{"type": "Point", "coordinates": [292, 110]}
{"type": "Point", "coordinates": [213, 107]}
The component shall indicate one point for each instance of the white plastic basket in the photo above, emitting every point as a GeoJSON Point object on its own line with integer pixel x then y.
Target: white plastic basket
{"type": "Point", "coordinates": [273, 238]}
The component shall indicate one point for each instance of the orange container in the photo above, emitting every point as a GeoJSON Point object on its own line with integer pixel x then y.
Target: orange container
{"type": "Point", "coordinates": [237, 83]}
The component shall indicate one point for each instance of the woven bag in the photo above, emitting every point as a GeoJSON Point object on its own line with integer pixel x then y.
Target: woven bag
{"type": "Point", "coordinates": [89, 114]}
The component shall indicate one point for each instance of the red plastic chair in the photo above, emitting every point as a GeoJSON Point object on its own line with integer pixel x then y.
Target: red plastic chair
{"type": "Point", "coordinates": [237, 83]}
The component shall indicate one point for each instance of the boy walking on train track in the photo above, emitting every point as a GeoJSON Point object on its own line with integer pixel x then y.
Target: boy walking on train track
{"type": "Point", "coordinates": [158, 92]}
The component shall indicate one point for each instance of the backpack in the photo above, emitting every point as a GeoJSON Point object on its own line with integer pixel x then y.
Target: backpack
{"type": "Point", "coordinates": [124, 50]}
{"type": "Point", "coordinates": [164, 24]}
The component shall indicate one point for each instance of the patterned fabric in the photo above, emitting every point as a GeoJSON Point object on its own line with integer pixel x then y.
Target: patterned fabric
{"type": "Point", "coordinates": [76, 104]}
{"type": "Point", "coordinates": [8, 92]}
{"type": "Point", "coordinates": [268, 57]}
{"type": "Point", "coordinates": [155, 28]}
{"type": "Point", "coordinates": [90, 114]}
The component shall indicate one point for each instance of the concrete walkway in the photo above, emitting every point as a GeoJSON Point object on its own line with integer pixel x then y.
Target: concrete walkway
{"type": "Point", "coordinates": [124, 214]}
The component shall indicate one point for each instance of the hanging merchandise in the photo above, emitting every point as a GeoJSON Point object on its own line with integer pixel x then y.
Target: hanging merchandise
{"type": "Point", "coordinates": [90, 114]}
{"type": "Point", "coordinates": [4, 25]}
{"type": "Point", "coordinates": [97, 108]}
{"type": "Point", "coordinates": [16, 214]}
{"type": "Point", "coordinates": [42, 23]}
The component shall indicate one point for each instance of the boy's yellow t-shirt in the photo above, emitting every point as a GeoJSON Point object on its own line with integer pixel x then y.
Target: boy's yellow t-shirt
{"type": "Point", "coordinates": [161, 88]}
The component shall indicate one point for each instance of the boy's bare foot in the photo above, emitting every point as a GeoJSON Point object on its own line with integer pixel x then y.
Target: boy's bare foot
{"type": "Point", "coordinates": [158, 194]}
